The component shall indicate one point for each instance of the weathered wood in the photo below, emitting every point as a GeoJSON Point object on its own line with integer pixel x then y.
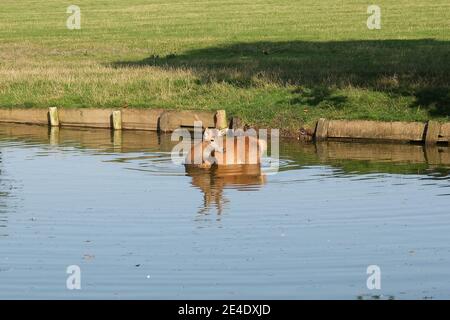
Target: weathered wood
{"type": "Point", "coordinates": [53, 117]}
{"type": "Point", "coordinates": [141, 119]}
{"type": "Point", "coordinates": [374, 130]}
{"type": "Point", "coordinates": [322, 129]}
{"type": "Point", "coordinates": [25, 116]}
{"type": "Point", "coordinates": [90, 118]}
{"type": "Point", "coordinates": [444, 135]}
{"type": "Point", "coordinates": [116, 120]}
{"type": "Point", "coordinates": [171, 120]}
{"type": "Point", "coordinates": [167, 121]}
{"type": "Point", "coordinates": [432, 132]}
{"type": "Point", "coordinates": [221, 119]}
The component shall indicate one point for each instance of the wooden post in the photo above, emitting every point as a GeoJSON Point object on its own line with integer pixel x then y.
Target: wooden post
{"type": "Point", "coordinates": [117, 120]}
{"type": "Point", "coordinates": [53, 117]}
{"type": "Point", "coordinates": [221, 120]}
{"type": "Point", "coordinates": [321, 129]}
{"type": "Point", "coordinates": [432, 132]}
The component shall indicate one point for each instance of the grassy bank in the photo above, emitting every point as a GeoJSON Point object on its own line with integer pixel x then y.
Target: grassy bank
{"type": "Point", "coordinates": [271, 62]}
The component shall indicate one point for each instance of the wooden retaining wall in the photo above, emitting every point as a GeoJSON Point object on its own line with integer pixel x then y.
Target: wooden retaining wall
{"type": "Point", "coordinates": [131, 119]}
{"type": "Point", "coordinates": [431, 132]}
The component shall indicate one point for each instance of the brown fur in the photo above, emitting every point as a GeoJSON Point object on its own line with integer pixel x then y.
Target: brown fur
{"type": "Point", "coordinates": [240, 155]}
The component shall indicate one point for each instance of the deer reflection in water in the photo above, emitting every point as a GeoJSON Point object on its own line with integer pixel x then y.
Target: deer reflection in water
{"type": "Point", "coordinates": [213, 181]}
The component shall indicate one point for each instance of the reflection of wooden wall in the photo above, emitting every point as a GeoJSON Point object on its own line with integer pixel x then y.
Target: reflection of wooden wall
{"type": "Point", "coordinates": [101, 139]}
{"type": "Point", "coordinates": [405, 153]}
{"type": "Point", "coordinates": [437, 156]}
{"type": "Point", "coordinates": [135, 141]}
{"type": "Point", "coordinates": [38, 134]}
{"type": "Point", "coordinates": [431, 132]}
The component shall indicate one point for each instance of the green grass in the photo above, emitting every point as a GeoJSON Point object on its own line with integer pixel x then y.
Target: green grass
{"type": "Point", "coordinates": [279, 63]}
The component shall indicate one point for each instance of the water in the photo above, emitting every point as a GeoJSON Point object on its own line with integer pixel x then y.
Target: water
{"type": "Point", "coordinates": [140, 227]}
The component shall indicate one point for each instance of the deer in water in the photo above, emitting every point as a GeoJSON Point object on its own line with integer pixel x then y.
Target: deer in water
{"type": "Point", "coordinates": [226, 148]}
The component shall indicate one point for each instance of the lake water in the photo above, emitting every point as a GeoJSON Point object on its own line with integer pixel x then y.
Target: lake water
{"type": "Point", "coordinates": [140, 227]}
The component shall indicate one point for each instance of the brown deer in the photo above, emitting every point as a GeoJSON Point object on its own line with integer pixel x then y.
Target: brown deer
{"type": "Point", "coordinates": [220, 148]}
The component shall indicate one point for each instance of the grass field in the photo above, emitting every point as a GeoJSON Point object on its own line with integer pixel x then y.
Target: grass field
{"type": "Point", "coordinates": [279, 63]}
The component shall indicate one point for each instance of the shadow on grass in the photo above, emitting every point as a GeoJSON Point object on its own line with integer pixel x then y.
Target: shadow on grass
{"type": "Point", "coordinates": [413, 68]}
